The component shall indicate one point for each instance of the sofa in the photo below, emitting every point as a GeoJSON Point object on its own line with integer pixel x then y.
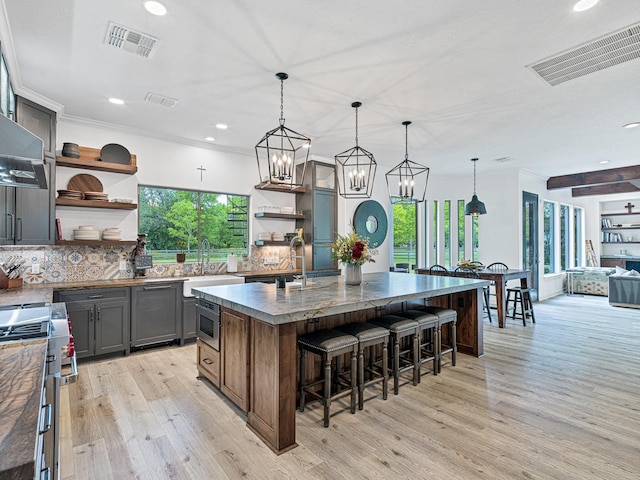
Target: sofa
{"type": "Point", "coordinates": [589, 280]}
{"type": "Point", "coordinates": [624, 290]}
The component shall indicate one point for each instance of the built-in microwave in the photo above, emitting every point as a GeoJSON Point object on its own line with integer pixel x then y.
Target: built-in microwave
{"type": "Point", "coordinates": [208, 322]}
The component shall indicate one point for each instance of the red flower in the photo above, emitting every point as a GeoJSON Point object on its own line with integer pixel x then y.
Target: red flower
{"type": "Point", "coordinates": [356, 252]}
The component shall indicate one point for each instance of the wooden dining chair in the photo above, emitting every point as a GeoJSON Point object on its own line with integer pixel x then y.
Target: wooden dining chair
{"type": "Point", "coordinates": [495, 267]}
{"type": "Point", "coordinates": [439, 270]}
{"type": "Point", "coordinates": [469, 272]}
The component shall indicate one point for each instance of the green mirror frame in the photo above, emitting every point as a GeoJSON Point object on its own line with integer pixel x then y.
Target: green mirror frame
{"type": "Point", "coordinates": [370, 220]}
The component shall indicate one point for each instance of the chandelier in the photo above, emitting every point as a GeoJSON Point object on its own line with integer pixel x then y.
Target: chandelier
{"type": "Point", "coordinates": [407, 181]}
{"type": "Point", "coordinates": [279, 151]}
{"type": "Point", "coordinates": [356, 169]}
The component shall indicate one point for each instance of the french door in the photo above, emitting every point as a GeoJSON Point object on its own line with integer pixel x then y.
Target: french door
{"type": "Point", "coordinates": [530, 239]}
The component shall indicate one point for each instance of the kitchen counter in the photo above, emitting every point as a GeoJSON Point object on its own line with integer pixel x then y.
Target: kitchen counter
{"type": "Point", "coordinates": [21, 381]}
{"type": "Point", "coordinates": [278, 273]}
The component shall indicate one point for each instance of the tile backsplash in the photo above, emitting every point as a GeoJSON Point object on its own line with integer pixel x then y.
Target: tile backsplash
{"type": "Point", "coordinates": [85, 263]}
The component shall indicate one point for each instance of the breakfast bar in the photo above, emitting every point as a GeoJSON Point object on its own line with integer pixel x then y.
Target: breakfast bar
{"type": "Point", "coordinates": [255, 365]}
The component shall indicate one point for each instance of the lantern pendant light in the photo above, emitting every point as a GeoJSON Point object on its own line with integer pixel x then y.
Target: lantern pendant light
{"type": "Point", "coordinates": [280, 150]}
{"type": "Point", "coordinates": [407, 181]}
{"type": "Point", "coordinates": [356, 169]}
{"type": "Point", "coordinates": [475, 207]}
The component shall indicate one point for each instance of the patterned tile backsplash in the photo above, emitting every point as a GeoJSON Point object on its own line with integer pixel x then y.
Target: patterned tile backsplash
{"type": "Point", "coordinates": [84, 263]}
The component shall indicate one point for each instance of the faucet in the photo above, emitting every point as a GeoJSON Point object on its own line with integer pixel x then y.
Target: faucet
{"type": "Point", "coordinates": [204, 244]}
{"type": "Point", "coordinates": [302, 257]}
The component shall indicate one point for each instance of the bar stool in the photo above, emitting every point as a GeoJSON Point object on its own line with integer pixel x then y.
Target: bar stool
{"type": "Point", "coordinates": [446, 317]}
{"type": "Point", "coordinates": [329, 344]}
{"type": "Point", "coordinates": [430, 347]}
{"type": "Point", "coordinates": [399, 328]}
{"type": "Point", "coordinates": [369, 336]}
{"type": "Point", "coordinates": [521, 297]}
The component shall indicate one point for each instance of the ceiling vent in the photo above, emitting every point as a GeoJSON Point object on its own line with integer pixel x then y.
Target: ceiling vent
{"type": "Point", "coordinates": [504, 159]}
{"type": "Point", "coordinates": [604, 52]}
{"type": "Point", "coordinates": [126, 39]}
{"type": "Point", "coordinates": [160, 100]}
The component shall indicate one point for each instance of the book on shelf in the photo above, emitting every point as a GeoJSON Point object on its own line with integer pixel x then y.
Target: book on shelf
{"type": "Point", "coordinates": [58, 229]}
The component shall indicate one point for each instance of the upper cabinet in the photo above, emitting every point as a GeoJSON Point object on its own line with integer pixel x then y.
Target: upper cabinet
{"type": "Point", "coordinates": [40, 121]}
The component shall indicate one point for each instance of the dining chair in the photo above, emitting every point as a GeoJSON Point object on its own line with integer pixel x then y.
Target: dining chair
{"type": "Point", "coordinates": [439, 269]}
{"type": "Point", "coordinates": [469, 272]}
{"type": "Point", "coordinates": [496, 267]}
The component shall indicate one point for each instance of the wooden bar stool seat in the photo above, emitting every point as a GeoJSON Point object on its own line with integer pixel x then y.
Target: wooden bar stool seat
{"type": "Point", "coordinates": [429, 346]}
{"type": "Point", "coordinates": [328, 344]}
{"type": "Point", "coordinates": [521, 298]}
{"type": "Point", "coordinates": [409, 359]}
{"type": "Point", "coordinates": [446, 317]}
{"type": "Point", "coordinates": [369, 336]}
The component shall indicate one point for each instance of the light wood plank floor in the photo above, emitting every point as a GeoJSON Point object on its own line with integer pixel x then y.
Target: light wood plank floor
{"type": "Point", "coordinates": [559, 399]}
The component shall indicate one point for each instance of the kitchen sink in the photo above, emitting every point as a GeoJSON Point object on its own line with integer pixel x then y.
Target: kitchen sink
{"type": "Point", "coordinates": [209, 281]}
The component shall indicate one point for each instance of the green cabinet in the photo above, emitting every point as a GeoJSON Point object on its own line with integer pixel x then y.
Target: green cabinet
{"type": "Point", "coordinates": [319, 205]}
{"type": "Point", "coordinates": [156, 314]}
{"type": "Point", "coordinates": [100, 320]}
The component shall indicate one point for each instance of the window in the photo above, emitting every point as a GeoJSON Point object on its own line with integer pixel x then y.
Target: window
{"type": "Point", "coordinates": [404, 233]}
{"type": "Point", "coordinates": [460, 229]}
{"type": "Point", "coordinates": [549, 237]}
{"type": "Point", "coordinates": [565, 237]}
{"type": "Point", "coordinates": [178, 220]}
{"type": "Point", "coordinates": [447, 232]}
{"type": "Point", "coordinates": [475, 255]}
{"type": "Point", "coordinates": [578, 243]}
{"type": "Point", "coordinates": [434, 232]}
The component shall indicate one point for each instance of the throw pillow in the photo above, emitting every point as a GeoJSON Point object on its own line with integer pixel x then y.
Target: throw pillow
{"type": "Point", "coordinates": [620, 271]}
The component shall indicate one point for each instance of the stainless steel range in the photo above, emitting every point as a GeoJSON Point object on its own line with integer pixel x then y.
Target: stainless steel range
{"type": "Point", "coordinates": [45, 320]}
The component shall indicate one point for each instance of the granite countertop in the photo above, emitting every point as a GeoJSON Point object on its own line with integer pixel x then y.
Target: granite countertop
{"type": "Point", "coordinates": [21, 380]}
{"type": "Point", "coordinates": [277, 273]}
{"type": "Point", "coordinates": [329, 295]}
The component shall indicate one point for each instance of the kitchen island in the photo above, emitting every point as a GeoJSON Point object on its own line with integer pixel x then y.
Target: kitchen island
{"type": "Point", "coordinates": [256, 367]}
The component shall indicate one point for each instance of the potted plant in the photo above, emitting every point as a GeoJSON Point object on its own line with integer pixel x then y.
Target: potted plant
{"type": "Point", "coordinates": [181, 256]}
{"type": "Point", "coordinates": [353, 251]}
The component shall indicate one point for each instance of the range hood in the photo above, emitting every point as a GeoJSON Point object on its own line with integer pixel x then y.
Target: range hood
{"type": "Point", "coordinates": [21, 156]}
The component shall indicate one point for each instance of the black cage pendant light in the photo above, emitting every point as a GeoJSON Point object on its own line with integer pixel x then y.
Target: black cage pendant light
{"type": "Point", "coordinates": [356, 169]}
{"type": "Point", "coordinates": [279, 152]}
{"type": "Point", "coordinates": [475, 207]}
{"type": "Point", "coordinates": [407, 181]}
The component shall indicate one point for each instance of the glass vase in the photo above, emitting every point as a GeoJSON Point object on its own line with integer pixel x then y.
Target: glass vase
{"type": "Point", "coordinates": [352, 274]}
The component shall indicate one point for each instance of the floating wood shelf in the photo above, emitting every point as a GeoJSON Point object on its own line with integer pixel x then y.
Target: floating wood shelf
{"type": "Point", "coordinates": [618, 243]}
{"type": "Point", "coordinates": [95, 242]}
{"type": "Point", "coordinates": [89, 160]}
{"type": "Point", "coordinates": [72, 202]}
{"type": "Point", "coordinates": [618, 214]}
{"type": "Point", "coordinates": [279, 215]}
{"type": "Point", "coordinates": [621, 228]}
{"type": "Point", "coordinates": [276, 187]}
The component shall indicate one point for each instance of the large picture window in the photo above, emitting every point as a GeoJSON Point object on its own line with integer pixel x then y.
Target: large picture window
{"type": "Point", "coordinates": [404, 233]}
{"type": "Point", "coordinates": [447, 232]}
{"type": "Point", "coordinates": [179, 220]}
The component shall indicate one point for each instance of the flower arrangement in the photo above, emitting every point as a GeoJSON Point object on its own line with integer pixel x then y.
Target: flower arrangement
{"type": "Point", "coordinates": [352, 249]}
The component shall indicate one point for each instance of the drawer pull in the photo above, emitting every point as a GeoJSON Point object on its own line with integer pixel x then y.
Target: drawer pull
{"type": "Point", "coordinates": [164, 287]}
{"type": "Point", "coordinates": [47, 425]}
{"type": "Point", "coordinates": [95, 296]}
{"type": "Point", "coordinates": [207, 361]}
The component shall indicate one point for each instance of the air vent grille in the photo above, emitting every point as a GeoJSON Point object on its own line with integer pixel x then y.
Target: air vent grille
{"type": "Point", "coordinates": [612, 49]}
{"type": "Point", "coordinates": [160, 100]}
{"type": "Point", "coordinates": [127, 39]}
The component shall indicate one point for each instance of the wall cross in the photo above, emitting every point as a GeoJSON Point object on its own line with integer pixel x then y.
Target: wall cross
{"type": "Point", "coordinates": [202, 170]}
{"type": "Point", "coordinates": [629, 207]}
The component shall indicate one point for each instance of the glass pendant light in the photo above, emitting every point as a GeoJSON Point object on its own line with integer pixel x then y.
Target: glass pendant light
{"type": "Point", "coordinates": [407, 181]}
{"type": "Point", "coordinates": [475, 207]}
{"type": "Point", "coordinates": [356, 169]}
{"type": "Point", "coordinates": [280, 150]}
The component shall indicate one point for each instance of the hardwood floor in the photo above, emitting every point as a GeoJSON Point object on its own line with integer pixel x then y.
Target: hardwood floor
{"type": "Point", "coordinates": [558, 399]}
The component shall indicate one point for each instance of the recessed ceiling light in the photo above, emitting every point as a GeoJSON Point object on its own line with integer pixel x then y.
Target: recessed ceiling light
{"type": "Point", "coordinates": [156, 8]}
{"type": "Point", "coordinates": [221, 126]}
{"type": "Point", "coordinates": [583, 5]}
{"type": "Point", "coordinates": [116, 101]}
{"type": "Point", "coordinates": [210, 139]}
{"type": "Point", "coordinates": [604, 161]}
{"type": "Point", "coordinates": [632, 125]}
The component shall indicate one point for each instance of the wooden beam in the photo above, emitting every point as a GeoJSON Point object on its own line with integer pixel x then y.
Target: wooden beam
{"type": "Point", "coordinates": [622, 187]}
{"type": "Point", "coordinates": [612, 175]}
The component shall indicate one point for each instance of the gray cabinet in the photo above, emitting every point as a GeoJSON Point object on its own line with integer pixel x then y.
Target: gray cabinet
{"type": "Point", "coordinates": [100, 320]}
{"type": "Point", "coordinates": [28, 214]}
{"type": "Point", "coordinates": [188, 318]}
{"type": "Point", "coordinates": [156, 314]}
{"type": "Point", "coordinates": [319, 205]}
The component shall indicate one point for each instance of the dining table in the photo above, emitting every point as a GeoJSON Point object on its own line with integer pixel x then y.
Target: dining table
{"type": "Point", "coordinates": [499, 277]}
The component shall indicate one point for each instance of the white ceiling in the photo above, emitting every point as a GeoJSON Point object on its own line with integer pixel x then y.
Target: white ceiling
{"type": "Point", "coordinates": [455, 68]}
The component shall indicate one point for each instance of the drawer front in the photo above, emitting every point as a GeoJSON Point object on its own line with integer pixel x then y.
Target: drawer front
{"type": "Point", "coordinates": [95, 294]}
{"type": "Point", "coordinates": [209, 363]}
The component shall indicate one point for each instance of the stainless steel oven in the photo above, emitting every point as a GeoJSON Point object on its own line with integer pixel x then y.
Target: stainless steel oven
{"type": "Point", "coordinates": [208, 322]}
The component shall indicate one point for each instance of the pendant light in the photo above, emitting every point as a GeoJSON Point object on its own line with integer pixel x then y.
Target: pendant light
{"type": "Point", "coordinates": [356, 169]}
{"type": "Point", "coordinates": [475, 207]}
{"type": "Point", "coordinates": [407, 181]}
{"type": "Point", "coordinates": [279, 151]}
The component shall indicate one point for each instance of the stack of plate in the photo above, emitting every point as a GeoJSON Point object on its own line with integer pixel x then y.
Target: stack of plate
{"type": "Point", "coordinates": [96, 196]}
{"type": "Point", "coordinates": [113, 234]}
{"type": "Point", "coordinates": [264, 236]}
{"type": "Point", "coordinates": [75, 194]}
{"type": "Point", "coordinates": [86, 232]}
{"type": "Point", "coordinates": [277, 237]}
{"type": "Point", "coordinates": [287, 210]}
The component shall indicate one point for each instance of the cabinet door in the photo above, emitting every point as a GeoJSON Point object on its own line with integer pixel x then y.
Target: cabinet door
{"type": "Point", "coordinates": [82, 317]}
{"type": "Point", "coordinates": [156, 314]}
{"type": "Point", "coordinates": [35, 212]}
{"type": "Point", "coordinates": [112, 327]}
{"type": "Point", "coordinates": [8, 211]}
{"type": "Point", "coordinates": [188, 318]}
{"type": "Point", "coordinates": [40, 121]}
{"type": "Point", "coordinates": [234, 332]}
{"type": "Point", "coordinates": [322, 257]}
{"type": "Point", "coordinates": [324, 217]}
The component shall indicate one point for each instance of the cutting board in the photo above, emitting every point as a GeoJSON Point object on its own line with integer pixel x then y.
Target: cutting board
{"type": "Point", "coordinates": [84, 182]}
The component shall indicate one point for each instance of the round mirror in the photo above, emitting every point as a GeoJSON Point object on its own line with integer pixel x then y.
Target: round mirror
{"type": "Point", "coordinates": [371, 224]}
{"type": "Point", "coordinates": [370, 220]}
